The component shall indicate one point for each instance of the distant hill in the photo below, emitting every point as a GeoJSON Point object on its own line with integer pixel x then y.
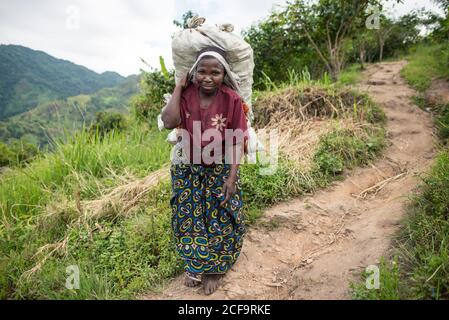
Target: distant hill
{"type": "Point", "coordinates": [51, 119]}
{"type": "Point", "coordinates": [29, 78]}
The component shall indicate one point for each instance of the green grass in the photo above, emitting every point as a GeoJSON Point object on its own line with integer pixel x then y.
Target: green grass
{"type": "Point", "coordinates": [86, 165]}
{"type": "Point", "coordinates": [442, 123]}
{"type": "Point", "coordinates": [426, 62]}
{"type": "Point", "coordinates": [388, 283]}
{"type": "Point", "coordinates": [350, 75]}
{"type": "Point", "coordinates": [121, 256]}
{"type": "Point", "coordinates": [421, 267]}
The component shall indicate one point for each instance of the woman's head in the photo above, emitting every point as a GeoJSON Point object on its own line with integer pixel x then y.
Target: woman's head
{"type": "Point", "coordinates": [210, 73]}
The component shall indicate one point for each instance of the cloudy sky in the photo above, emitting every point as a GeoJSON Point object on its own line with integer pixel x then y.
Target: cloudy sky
{"type": "Point", "coordinates": [113, 34]}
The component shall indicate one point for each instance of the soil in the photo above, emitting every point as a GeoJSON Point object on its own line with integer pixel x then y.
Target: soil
{"type": "Point", "coordinates": [312, 247]}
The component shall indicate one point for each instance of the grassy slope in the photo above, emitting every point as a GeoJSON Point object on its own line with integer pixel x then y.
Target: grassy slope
{"type": "Point", "coordinates": [53, 118]}
{"type": "Point", "coordinates": [30, 77]}
{"type": "Point", "coordinates": [120, 256]}
{"type": "Point", "coordinates": [420, 266]}
{"type": "Point", "coordinates": [426, 62]}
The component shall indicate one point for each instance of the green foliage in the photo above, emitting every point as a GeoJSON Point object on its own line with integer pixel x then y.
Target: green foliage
{"type": "Point", "coordinates": [350, 76]}
{"type": "Point", "coordinates": [277, 50]}
{"type": "Point", "coordinates": [106, 122]}
{"type": "Point", "coordinates": [303, 34]}
{"type": "Point", "coordinates": [51, 120]}
{"type": "Point", "coordinates": [88, 166]}
{"type": "Point", "coordinates": [343, 148]}
{"type": "Point", "coordinates": [30, 77]}
{"type": "Point", "coordinates": [421, 269]}
{"type": "Point", "coordinates": [164, 68]}
{"type": "Point", "coordinates": [17, 153]}
{"type": "Point", "coordinates": [425, 63]}
{"type": "Point", "coordinates": [6, 155]}
{"type": "Point", "coordinates": [186, 16]}
{"type": "Point", "coordinates": [442, 122]}
{"type": "Point", "coordinates": [389, 282]}
{"type": "Point", "coordinates": [154, 85]}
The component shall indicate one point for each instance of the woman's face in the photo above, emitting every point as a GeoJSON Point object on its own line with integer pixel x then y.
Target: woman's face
{"type": "Point", "coordinates": [209, 75]}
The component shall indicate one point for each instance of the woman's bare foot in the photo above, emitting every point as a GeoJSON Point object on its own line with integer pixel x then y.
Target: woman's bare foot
{"type": "Point", "coordinates": [211, 282]}
{"type": "Point", "coordinates": [189, 282]}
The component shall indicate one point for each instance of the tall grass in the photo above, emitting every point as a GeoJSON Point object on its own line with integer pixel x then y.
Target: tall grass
{"type": "Point", "coordinates": [84, 166]}
{"type": "Point", "coordinates": [123, 255]}
{"type": "Point", "coordinates": [419, 268]}
{"type": "Point", "coordinates": [426, 62]}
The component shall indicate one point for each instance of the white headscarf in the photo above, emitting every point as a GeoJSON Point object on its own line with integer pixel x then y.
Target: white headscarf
{"type": "Point", "coordinates": [231, 79]}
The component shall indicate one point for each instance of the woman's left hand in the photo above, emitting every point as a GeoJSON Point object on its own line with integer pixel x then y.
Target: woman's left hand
{"type": "Point", "coordinates": [228, 190]}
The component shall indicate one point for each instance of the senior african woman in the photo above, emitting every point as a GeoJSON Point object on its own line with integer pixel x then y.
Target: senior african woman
{"type": "Point", "coordinates": [207, 200]}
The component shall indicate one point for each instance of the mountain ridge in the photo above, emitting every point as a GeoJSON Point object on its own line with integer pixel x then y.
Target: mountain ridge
{"type": "Point", "coordinates": [29, 77]}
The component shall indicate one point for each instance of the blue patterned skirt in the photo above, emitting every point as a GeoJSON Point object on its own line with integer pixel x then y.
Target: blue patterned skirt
{"type": "Point", "coordinates": [208, 236]}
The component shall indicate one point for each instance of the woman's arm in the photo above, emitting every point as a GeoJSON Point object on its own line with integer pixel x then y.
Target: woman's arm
{"type": "Point", "coordinates": [229, 187]}
{"type": "Point", "coordinates": [171, 114]}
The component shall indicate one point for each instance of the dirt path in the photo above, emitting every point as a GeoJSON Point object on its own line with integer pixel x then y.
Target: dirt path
{"type": "Point", "coordinates": [317, 244]}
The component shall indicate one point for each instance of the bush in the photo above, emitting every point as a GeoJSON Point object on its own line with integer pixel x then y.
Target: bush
{"type": "Point", "coordinates": [154, 85]}
{"type": "Point", "coordinates": [343, 148]}
{"type": "Point", "coordinates": [442, 122]}
{"type": "Point", "coordinates": [18, 152]}
{"type": "Point", "coordinates": [106, 122]}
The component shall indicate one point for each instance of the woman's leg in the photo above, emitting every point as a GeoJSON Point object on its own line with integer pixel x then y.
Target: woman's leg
{"type": "Point", "coordinates": [225, 225]}
{"type": "Point", "coordinates": [187, 219]}
{"type": "Point", "coordinates": [208, 236]}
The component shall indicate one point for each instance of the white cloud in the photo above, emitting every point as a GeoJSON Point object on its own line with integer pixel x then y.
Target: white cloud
{"type": "Point", "coordinates": [114, 34]}
{"type": "Point", "coordinates": [105, 35]}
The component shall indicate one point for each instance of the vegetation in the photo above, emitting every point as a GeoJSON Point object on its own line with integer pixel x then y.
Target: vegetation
{"type": "Point", "coordinates": [88, 203]}
{"type": "Point", "coordinates": [17, 153]}
{"type": "Point", "coordinates": [154, 85]}
{"type": "Point", "coordinates": [419, 267]}
{"type": "Point", "coordinates": [30, 77]}
{"type": "Point", "coordinates": [326, 37]}
{"type": "Point", "coordinates": [425, 63]}
{"type": "Point", "coordinates": [55, 119]}
{"type": "Point", "coordinates": [121, 253]}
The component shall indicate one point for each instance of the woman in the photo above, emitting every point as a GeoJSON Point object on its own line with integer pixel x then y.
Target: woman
{"type": "Point", "coordinates": [207, 197]}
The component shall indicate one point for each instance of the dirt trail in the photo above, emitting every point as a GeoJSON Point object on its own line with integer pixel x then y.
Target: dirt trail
{"type": "Point", "coordinates": [317, 244]}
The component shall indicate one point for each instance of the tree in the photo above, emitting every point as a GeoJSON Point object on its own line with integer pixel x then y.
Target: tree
{"type": "Point", "coordinates": [154, 85]}
{"type": "Point", "coordinates": [328, 25]}
{"type": "Point", "coordinates": [364, 47]}
{"type": "Point", "coordinates": [444, 4]}
{"type": "Point", "coordinates": [185, 17]}
{"type": "Point", "coordinates": [386, 26]}
{"type": "Point", "coordinates": [106, 122]}
{"type": "Point", "coordinates": [277, 50]}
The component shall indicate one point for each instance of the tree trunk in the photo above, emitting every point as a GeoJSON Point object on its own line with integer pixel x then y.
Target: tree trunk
{"type": "Point", "coordinates": [381, 51]}
{"type": "Point", "coordinates": [335, 63]}
{"type": "Point", "coordinates": [362, 56]}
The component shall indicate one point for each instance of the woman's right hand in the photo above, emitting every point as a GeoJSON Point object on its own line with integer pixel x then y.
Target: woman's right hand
{"type": "Point", "coordinates": [184, 81]}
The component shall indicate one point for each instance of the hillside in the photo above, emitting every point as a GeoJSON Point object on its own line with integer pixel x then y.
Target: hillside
{"type": "Point", "coordinates": [52, 118]}
{"type": "Point", "coordinates": [29, 77]}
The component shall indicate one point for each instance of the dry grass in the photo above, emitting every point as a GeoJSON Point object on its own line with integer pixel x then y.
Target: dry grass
{"type": "Point", "coordinates": [301, 116]}
{"type": "Point", "coordinates": [120, 201]}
